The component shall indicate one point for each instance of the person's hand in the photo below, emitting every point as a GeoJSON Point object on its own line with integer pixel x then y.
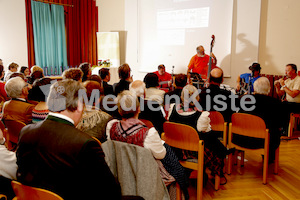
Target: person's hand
{"type": "Point", "coordinates": [130, 79]}
{"type": "Point", "coordinates": [277, 83]}
{"type": "Point", "coordinates": [281, 81]}
{"type": "Point", "coordinates": [213, 55]}
{"type": "Point", "coordinates": [238, 86]}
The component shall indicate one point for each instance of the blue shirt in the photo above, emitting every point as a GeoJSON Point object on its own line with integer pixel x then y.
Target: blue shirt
{"type": "Point", "coordinates": [247, 77]}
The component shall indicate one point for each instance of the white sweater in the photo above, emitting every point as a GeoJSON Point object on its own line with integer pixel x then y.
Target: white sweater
{"type": "Point", "coordinates": [8, 160]}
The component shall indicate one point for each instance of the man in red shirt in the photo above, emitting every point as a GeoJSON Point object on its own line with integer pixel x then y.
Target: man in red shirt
{"type": "Point", "coordinates": [164, 78]}
{"type": "Point", "coordinates": [199, 63]}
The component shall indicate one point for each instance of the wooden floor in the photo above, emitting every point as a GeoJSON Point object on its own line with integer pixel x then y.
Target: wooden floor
{"type": "Point", "coordinates": [245, 183]}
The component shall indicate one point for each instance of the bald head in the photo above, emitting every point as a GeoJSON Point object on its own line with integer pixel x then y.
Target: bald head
{"type": "Point", "coordinates": [138, 87]}
{"type": "Point", "coordinates": [216, 76]}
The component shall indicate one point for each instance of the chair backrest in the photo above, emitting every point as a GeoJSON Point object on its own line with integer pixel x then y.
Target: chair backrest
{"type": "Point", "coordinates": [216, 121]}
{"type": "Point", "coordinates": [24, 192]}
{"type": "Point", "coordinates": [14, 128]}
{"type": "Point", "coordinates": [181, 136]}
{"type": "Point", "coordinates": [248, 125]}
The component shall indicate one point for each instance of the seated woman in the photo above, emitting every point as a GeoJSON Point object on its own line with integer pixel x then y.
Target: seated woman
{"type": "Point", "coordinates": [93, 121]}
{"type": "Point", "coordinates": [131, 130]}
{"type": "Point", "coordinates": [189, 113]}
{"type": "Point", "coordinates": [152, 91]}
{"type": "Point", "coordinates": [40, 111]}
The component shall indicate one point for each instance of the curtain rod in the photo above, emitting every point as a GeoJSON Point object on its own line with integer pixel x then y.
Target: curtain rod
{"type": "Point", "coordinates": [55, 3]}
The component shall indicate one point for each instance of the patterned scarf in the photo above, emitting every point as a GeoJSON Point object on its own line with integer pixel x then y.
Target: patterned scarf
{"type": "Point", "coordinates": [132, 131]}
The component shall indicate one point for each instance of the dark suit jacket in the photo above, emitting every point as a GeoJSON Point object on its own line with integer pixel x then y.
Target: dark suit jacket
{"type": "Point", "coordinates": [156, 117]}
{"type": "Point", "coordinates": [18, 110]}
{"type": "Point", "coordinates": [209, 105]}
{"type": "Point", "coordinates": [54, 155]}
{"type": "Point", "coordinates": [122, 85]}
{"type": "Point", "coordinates": [108, 89]}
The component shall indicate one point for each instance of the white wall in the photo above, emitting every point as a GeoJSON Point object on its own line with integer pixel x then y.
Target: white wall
{"type": "Point", "coordinates": [279, 35]}
{"type": "Point", "coordinates": [13, 33]}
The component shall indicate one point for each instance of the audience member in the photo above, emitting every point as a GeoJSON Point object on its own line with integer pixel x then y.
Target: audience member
{"type": "Point", "coordinates": [17, 74]}
{"type": "Point", "coordinates": [3, 94]}
{"type": "Point", "coordinates": [93, 121]}
{"type": "Point", "coordinates": [13, 67]}
{"type": "Point", "coordinates": [125, 79]}
{"type": "Point", "coordinates": [180, 82]}
{"type": "Point", "coordinates": [8, 168]}
{"type": "Point", "coordinates": [265, 107]}
{"type": "Point", "coordinates": [105, 76]}
{"type": "Point", "coordinates": [95, 77]}
{"type": "Point", "coordinates": [73, 73]}
{"type": "Point", "coordinates": [17, 108]}
{"type": "Point", "coordinates": [86, 69]}
{"type": "Point", "coordinates": [36, 68]}
{"type": "Point", "coordinates": [53, 154]}
{"type": "Point", "coordinates": [164, 78]}
{"type": "Point", "coordinates": [188, 113]}
{"type": "Point", "coordinates": [131, 130]}
{"type": "Point", "coordinates": [39, 93]}
{"type": "Point", "coordinates": [215, 80]}
{"type": "Point", "coordinates": [152, 92]}
{"type": "Point", "coordinates": [151, 110]}
{"type": "Point", "coordinates": [35, 75]}
{"type": "Point", "coordinates": [25, 71]}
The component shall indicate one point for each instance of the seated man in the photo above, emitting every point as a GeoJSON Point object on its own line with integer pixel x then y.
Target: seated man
{"type": "Point", "coordinates": [213, 90]}
{"type": "Point", "coordinates": [155, 115]}
{"type": "Point", "coordinates": [125, 79]}
{"type": "Point", "coordinates": [290, 86]}
{"type": "Point", "coordinates": [248, 79]}
{"type": "Point", "coordinates": [54, 155]}
{"type": "Point", "coordinates": [105, 76]}
{"type": "Point", "coordinates": [17, 108]}
{"type": "Point", "coordinates": [164, 78]}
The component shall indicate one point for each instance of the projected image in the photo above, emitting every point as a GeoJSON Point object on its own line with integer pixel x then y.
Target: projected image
{"type": "Point", "coordinates": [186, 18]}
{"type": "Point", "coordinates": [170, 30]}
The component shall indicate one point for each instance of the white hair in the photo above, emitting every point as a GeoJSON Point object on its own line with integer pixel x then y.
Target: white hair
{"type": "Point", "coordinates": [138, 89]}
{"type": "Point", "coordinates": [14, 87]}
{"type": "Point", "coordinates": [262, 86]}
{"type": "Point", "coordinates": [187, 92]}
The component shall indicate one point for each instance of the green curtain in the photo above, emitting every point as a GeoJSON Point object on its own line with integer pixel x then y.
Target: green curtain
{"type": "Point", "coordinates": [49, 37]}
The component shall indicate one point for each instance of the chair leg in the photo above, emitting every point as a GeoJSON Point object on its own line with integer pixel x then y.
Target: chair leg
{"type": "Point", "coordinates": [217, 182]}
{"type": "Point", "coordinates": [242, 158]}
{"type": "Point", "coordinates": [265, 168]}
{"type": "Point", "coordinates": [229, 164]}
{"type": "Point", "coordinates": [200, 184]}
{"type": "Point", "coordinates": [276, 161]}
{"type": "Point", "coordinates": [178, 192]}
{"type": "Point", "coordinates": [291, 125]}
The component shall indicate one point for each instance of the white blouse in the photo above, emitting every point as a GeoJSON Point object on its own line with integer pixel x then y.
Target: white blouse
{"type": "Point", "coordinates": [8, 166]}
{"type": "Point", "coordinates": [152, 141]}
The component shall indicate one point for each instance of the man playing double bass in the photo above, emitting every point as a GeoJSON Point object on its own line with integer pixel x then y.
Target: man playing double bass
{"type": "Point", "coordinates": [199, 63]}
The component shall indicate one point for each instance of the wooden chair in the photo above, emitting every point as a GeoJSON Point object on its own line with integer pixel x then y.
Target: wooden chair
{"type": "Point", "coordinates": [251, 126]}
{"type": "Point", "coordinates": [97, 140]}
{"type": "Point", "coordinates": [24, 192]}
{"type": "Point", "coordinates": [185, 137]}
{"type": "Point", "coordinates": [218, 123]}
{"type": "Point", "coordinates": [13, 131]}
{"type": "Point", "coordinates": [291, 129]}
{"type": "Point", "coordinates": [3, 197]}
